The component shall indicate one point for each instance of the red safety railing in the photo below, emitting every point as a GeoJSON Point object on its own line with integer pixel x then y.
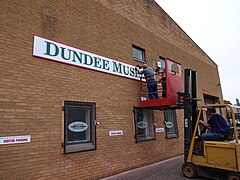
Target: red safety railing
{"type": "Point", "coordinates": [168, 88]}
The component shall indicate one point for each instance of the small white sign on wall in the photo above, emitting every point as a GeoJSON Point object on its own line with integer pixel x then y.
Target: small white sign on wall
{"type": "Point", "coordinates": [116, 133]}
{"type": "Point", "coordinates": [158, 130]}
{"type": "Point", "coordinates": [15, 139]}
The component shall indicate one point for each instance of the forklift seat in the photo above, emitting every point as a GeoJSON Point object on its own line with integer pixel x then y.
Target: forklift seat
{"type": "Point", "coordinates": [229, 134]}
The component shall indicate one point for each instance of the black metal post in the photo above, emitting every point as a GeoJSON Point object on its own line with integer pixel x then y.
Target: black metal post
{"type": "Point", "coordinates": [190, 108]}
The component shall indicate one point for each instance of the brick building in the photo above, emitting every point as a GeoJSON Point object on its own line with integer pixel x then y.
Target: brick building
{"type": "Point", "coordinates": [69, 95]}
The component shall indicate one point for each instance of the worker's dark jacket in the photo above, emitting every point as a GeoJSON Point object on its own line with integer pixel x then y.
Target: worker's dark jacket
{"type": "Point", "coordinates": [218, 124]}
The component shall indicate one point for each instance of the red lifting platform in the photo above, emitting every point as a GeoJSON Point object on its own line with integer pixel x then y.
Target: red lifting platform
{"type": "Point", "coordinates": [168, 87]}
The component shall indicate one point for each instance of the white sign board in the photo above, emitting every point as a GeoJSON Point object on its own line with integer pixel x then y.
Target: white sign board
{"type": "Point", "coordinates": [169, 125]}
{"type": "Point", "coordinates": [158, 130]}
{"type": "Point", "coordinates": [15, 139]}
{"type": "Point", "coordinates": [116, 133]}
{"type": "Point", "coordinates": [54, 51]}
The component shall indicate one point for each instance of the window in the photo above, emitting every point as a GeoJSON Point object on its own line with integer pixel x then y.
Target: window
{"type": "Point", "coordinates": [210, 99]}
{"type": "Point", "coordinates": [174, 67]}
{"type": "Point", "coordinates": [161, 63]}
{"type": "Point", "coordinates": [79, 126]}
{"type": "Point", "coordinates": [145, 128]}
{"type": "Point", "coordinates": [138, 53]}
{"type": "Point", "coordinates": [171, 123]}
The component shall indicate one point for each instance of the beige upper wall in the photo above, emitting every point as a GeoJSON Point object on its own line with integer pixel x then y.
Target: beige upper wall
{"type": "Point", "coordinates": [109, 28]}
{"type": "Point", "coordinates": [150, 16]}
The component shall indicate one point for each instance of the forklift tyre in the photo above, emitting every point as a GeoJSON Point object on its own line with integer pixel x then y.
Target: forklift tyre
{"type": "Point", "coordinates": [233, 176]}
{"type": "Point", "coordinates": [189, 170]}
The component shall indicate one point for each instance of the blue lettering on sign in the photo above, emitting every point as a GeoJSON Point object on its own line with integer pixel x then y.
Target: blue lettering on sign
{"type": "Point", "coordinates": [63, 53]}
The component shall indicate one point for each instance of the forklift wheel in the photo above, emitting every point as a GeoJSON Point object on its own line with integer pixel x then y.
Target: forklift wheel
{"type": "Point", "coordinates": [233, 176]}
{"type": "Point", "coordinates": [189, 170]}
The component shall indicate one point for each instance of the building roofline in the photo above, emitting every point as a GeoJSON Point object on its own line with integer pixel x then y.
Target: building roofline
{"type": "Point", "coordinates": [186, 34]}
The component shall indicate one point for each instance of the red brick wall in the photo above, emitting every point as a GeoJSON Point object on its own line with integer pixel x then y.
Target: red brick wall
{"type": "Point", "coordinates": [32, 90]}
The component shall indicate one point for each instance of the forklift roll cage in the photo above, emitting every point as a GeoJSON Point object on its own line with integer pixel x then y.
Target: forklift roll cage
{"type": "Point", "coordinates": [219, 158]}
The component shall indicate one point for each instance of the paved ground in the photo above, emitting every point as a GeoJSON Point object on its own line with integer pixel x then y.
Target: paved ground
{"type": "Point", "coordinates": [169, 170]}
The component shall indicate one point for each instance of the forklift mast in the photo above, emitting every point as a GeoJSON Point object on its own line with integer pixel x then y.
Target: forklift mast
{"type": "Point", "coordinates": [190, 108]}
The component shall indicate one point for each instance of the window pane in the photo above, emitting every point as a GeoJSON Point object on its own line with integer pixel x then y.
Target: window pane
{"type": "Point", "coordinates": [138, 53]}
{"type": "Point", "coordinates": [174, 67]}
{"type": "Point", "coordinates": [144, 124]}
{"type": "Point", "coordinates": [161, 63]}
{"type": "Point", "coordinates": [79, 126]}
{"type": "Point", "coordinates": [210, 99]}
{"type": "Point", "coordinates": [171, 123]}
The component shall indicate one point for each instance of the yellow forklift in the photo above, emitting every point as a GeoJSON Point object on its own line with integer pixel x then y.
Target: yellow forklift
{"type": "Point", "coordinates": [218, 159]}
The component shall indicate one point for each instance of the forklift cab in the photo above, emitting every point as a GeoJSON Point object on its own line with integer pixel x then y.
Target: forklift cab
{"type": "Point", "coordinates": [169, 82]}
{"type": "Point", "coordinates": [221, 158]}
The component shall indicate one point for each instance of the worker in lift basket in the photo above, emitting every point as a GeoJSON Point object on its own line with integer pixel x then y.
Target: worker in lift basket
{"type": "Point", "coordinates": [161, 79]}
{"type": "Point", "coordinates": [150, 79]}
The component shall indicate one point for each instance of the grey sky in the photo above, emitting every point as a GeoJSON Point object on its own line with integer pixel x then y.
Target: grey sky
{"type": "Point", "coordinates": [215, 26]}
